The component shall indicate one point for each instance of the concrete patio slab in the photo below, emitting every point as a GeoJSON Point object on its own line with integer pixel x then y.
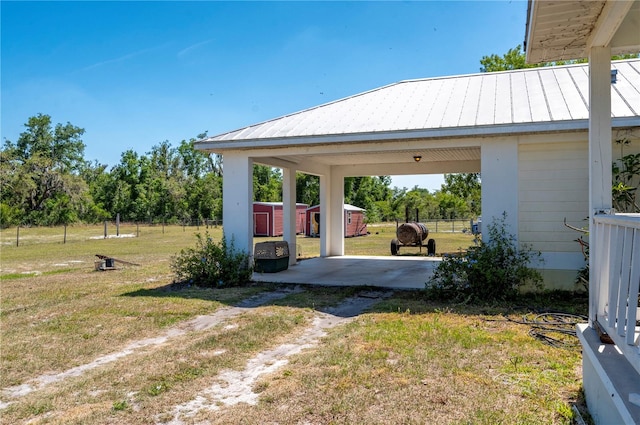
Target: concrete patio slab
{"type": "Point", "coordinates": [399, 272]}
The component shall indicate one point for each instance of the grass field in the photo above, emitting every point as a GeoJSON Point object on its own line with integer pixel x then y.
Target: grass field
{"type": "Point", "coordinates": [121, 347]}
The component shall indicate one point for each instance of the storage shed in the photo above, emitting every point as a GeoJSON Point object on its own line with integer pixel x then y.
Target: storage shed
{"type": "Point", "coordinates": [268, 218]}
{"type": "Point", "coordinates": [354, 224]}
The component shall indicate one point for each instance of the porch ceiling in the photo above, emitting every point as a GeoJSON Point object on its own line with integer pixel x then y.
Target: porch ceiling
{"type": "Point", "coordinates": [564, 30]}
{"type": "Point", "coordinates": [391, 157]}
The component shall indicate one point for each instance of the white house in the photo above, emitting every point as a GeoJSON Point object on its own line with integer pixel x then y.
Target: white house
{"type": "Point", "coordinates": [596, 30]}
{"type": "Point", "coordinates": [526, 131]}
{"type": "Point", "coordinates": [543, 139]}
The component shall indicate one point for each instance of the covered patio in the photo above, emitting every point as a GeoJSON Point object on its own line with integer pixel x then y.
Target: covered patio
{"type": "Point", "coordinates": [348, 270]}
{"type": "Point", "coordinates": [532, 152]}
{"type": "Point", "coordinates": [542, 139]}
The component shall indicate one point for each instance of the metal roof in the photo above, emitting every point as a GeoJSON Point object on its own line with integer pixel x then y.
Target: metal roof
{"type": "Point", "coordinates": [563, 30]}
{"type": "Point", "coordinates": [518, 101]}
{"type": "Point", "coordinates": [347, 207]}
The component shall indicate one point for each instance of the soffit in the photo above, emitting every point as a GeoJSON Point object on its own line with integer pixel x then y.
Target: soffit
{"type": "Point", "coordinates": [564, 30]}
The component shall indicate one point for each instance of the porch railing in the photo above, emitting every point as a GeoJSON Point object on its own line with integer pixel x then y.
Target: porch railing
{"type": "Point", "coordinates": [614, 297]}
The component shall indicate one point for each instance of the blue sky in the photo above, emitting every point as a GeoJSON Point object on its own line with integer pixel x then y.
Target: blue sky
{"type": "Point", "coordinates": [134, 74]}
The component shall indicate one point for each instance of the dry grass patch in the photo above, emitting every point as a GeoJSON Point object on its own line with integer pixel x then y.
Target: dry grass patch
{"type": "Point", "coordinates": [421, 363]}
{"type": "Point", "coordinates": [407, 361]}
{"type": "Point", "coordinates": [140, 388]}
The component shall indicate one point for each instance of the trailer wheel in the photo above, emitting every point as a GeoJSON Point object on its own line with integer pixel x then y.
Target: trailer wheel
{"type": "Point", "coordinates": [395, 246]}
{"type": "Point", "coordinates": [431, 247]}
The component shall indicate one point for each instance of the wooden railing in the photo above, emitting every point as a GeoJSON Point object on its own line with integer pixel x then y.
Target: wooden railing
{"type": "Point", "coordinates": [614, 297]}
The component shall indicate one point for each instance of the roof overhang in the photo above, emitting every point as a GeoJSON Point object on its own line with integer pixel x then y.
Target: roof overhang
{"type": "Point", "coordinates": [565, 30]}
{"type": "Point", "coordinates": [406, 135]}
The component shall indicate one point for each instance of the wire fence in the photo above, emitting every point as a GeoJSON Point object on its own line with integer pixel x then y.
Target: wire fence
{"type": "Point", "coordinates": [464, 225]}
{"type": "Point", "coordinates": [30, 235]}
{"type": "Point", "coordinates": [21, 235]}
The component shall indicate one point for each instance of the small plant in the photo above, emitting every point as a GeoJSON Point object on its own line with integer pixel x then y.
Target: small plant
{"type": "Point", "coordinates": [212, 264]}
{"type": "Point", "coordinates": [491, 271]}
{"type": "Point", "coordinates": [120, 405]}
{"type": "Point", "coordinates": [158, 388]}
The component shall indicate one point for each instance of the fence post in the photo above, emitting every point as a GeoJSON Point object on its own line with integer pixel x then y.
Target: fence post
{"type": "Point", "coordinates": [105, 229]}
{"type": "Point", "coordinates": [18, 235]}
{"type": "Point", "coordinates": [163, 225]}
{"type": "Point", "coordinates": [118, 224]}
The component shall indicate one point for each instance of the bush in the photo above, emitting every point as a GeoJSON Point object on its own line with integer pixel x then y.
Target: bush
{"type": "Point", "coordinates": [212, 264]}
{"type": "Point", "coordinates": [491, 271]}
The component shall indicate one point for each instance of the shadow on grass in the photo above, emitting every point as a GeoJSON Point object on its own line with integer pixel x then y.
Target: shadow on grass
{"type": "Point", "coordinates": [416, 301]}
{"type": "Point", "coordinates": [319, 298]}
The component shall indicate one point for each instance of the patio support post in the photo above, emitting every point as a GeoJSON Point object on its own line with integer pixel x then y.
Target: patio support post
{"type": "Point", "coordinates": [290, 216]}
{"type": "Point", "coordinates": [336, 205]}
{"type": "Point", "coordinates": [237, 200]}
{"type": "Point", "coordinates": [331, 213]}
{"type": "Point", "coordinates": [325, 220]}
{"type": "Point", "coordinates": [600, 156]}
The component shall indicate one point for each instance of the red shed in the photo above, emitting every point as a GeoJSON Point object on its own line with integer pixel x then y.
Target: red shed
{"type": "Point", "coordinates": [268, 218]}
{"type": "Point", "coordinates": [354, 224]}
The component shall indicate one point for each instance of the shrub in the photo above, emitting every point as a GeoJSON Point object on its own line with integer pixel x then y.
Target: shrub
{"type": "Point", "coordinates": [491, 271]}
{"type": "Point", "coordinates": [212, 264]}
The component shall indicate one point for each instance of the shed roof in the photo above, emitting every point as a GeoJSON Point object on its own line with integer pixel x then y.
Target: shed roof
{"type": "Point", "coordinates": [347, 207]}
{"type": "Point", "coordinates": [277, 204]}
{"type": "Point", "coordinates": [518, 101]}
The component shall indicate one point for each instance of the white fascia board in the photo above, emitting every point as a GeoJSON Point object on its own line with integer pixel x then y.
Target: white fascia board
{"type": "Point", "coordinates": [610, 19]}
{"type": "Point", "coordinates": [472, 131]}
{"type": "Point", "coordinates": [532, 13]}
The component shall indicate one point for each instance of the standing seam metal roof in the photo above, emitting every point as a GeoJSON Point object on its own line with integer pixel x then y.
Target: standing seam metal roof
{"type": "Point", "coordinates": [526, 96]}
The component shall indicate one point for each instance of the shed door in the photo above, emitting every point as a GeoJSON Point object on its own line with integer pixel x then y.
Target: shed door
{"type": "Point", "coordinates": [261, 224]}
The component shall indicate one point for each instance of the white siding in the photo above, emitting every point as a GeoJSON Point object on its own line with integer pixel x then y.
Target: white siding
{"type": "Point", "coordinates": [553, 184]}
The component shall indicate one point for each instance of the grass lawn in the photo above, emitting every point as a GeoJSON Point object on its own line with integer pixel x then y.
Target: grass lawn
{"type": "Point", "coordinates": [406, 360]}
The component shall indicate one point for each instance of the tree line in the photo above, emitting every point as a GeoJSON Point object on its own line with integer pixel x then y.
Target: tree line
{"type": "Point", "coordinates": [47, 181]}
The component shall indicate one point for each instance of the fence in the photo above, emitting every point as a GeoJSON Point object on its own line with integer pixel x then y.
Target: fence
{"type": "Point", "coordinates": [614, 294]}
{"type": "Point", "coordinates": [61, 234]}
{"type": "Point", "coordinates": [448, 225]}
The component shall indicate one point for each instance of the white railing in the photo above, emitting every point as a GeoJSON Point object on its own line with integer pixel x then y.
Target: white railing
{"type": "Point", "coordinates": [614, 298]}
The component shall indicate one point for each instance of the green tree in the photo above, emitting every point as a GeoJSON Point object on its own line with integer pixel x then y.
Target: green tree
{"type": "Point", "coordinates": [267, 184]}
{"type": "Point", "coordinates": [467, 188]}
{"type": "Point", "coordinates": [365, 192]}
{"type": "Point", "coordinates": [41, 173]}
{"type": "Point", "coordinates": [514, 59]}
{"type": "Point", "coordinates": [307, 189]}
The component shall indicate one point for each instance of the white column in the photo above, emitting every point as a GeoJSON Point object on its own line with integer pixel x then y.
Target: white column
{"type": "Point", "coordinates": [237, 200]}
{"type": "Point", "coordinates": [499, 168]}
{"type": "Point", "coordinates": [290, 216]}
{"type": "Point", "coordinates": [325, 220]}
{"type": "Point", "coordinates": [600, 155]}
{"type": "Point", "coordinates": [336, 208]}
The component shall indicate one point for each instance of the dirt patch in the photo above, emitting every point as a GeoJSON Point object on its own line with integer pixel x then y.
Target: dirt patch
{"type": "Point", "coordinates": [233, 387]}
{"type": "Point", "coordinates": [199, 323]}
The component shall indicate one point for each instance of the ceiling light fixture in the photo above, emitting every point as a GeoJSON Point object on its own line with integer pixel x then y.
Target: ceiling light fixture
{"type": "Point", "coordinates": [417, 158]}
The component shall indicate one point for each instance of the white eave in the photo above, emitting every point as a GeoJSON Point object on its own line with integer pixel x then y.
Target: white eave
{"type": "Point", "coordinates": [565, 30]}
{"type": "Point", "coordinates": [533, 100]}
